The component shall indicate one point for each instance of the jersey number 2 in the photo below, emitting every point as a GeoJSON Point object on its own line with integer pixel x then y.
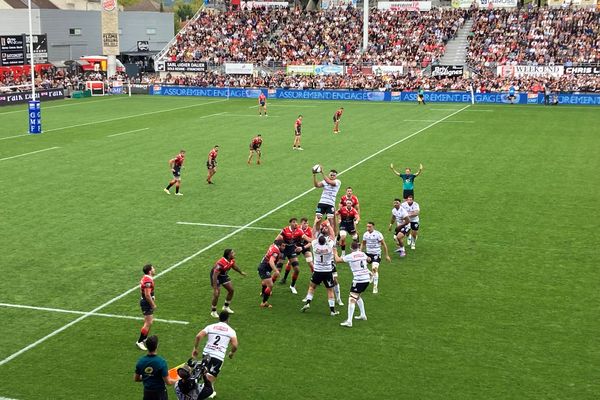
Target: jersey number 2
{"type": "Point", "coordinates": [217, 339]}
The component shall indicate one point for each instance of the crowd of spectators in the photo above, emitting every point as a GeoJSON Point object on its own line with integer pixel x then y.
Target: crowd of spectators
{"type": "Point", "coordinates": [534, 36]}
{"type": "Point", "coordinates": [482, 82]}
{"type": "Point", "coordinates": [293, 36]}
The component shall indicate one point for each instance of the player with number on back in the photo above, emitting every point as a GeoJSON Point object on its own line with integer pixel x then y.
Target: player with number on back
{"type": "Point", "coordinates": [373, 241]}
{"type": "Point", "coordinates": [361, 276]}
{"type": "Point", "coordinates": [336, 119]}
{"type": "Point", "coordinates": [400, 217]}
{"type": "Point", "coordinates": [262, 104]}
{"type": "Point", "coordinates": [176, 164]}
{"type": "Point", "coordinates": [147, 303]}
{"type": "Point", "coordinates": [267, 270]}
{"type": "Point", "coordinates": [297, 134]}
{"type": "Point", "coordinates": [413, 210]}
{"type": "Point", "coordinates": [219, 277]}
{"type": "Point", "coordinates": [326, 206]}
{"type": "Point", "coordinates": [255, 146]}
{"type": "Point", "coordinates": [218, 337]}
{"type": "Point", "coordinates": [211, 164]}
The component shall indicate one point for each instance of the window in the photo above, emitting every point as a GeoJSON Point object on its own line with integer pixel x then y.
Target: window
{"type": "Point", "coordinates": [150, 31]}
{"type": "Point", "coordinates": [75, 31]}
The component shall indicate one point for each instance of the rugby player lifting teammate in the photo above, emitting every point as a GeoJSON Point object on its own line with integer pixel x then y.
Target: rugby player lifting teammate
{"type": "Point", "coordinates": [219, 277]}
{"type": "Point", "coordinates": [293, 237]}
{"type": "Point", "coordinates": [255, 145]}
{"type": "Point", "coordinates": [267, 270]}
{"type": "Point", "coordinates": [326, 205]}
{"type": "Point", "coordinates": [147, 303]}
{"type": "Point", "coordinates": [176, 164]}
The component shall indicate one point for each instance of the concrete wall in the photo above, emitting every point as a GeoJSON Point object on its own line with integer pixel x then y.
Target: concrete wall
{"type": "Point", "coordinates": [62, 45]}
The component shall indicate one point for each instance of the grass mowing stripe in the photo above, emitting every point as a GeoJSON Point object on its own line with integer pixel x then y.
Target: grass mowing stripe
{"type": "Point", "coordinates": [26, 154]}
{"type": "Point", "coordinates": [124, 133]}
{"type": "Point", "coordinates": [227, 226]}
{"type": "Point", "coordinates": [213, 244]}
{"type": "Point", "coordinates": [61, 310]}
{"type": "Point", "coordinates": [124, 117]}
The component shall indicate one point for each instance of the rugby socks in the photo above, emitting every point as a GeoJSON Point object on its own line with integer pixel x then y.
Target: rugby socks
{"type": "Point", "coordinates": [213, 308]}
{"type": "Point", "coordinates": [331, 304]}
{"type": "Point", "coordinates": [176, 188]}
{"type": "Point", "coordinates": [143, 335]}
{"type": "Point", "coordinates": [294, 278]}
{"type": "Point", "coordinates": [336, 290]}
{"type": "Point", "coordinates": [226, 304]}
{"type": "Point", "coordinates": [309, 297]}
{"type": "Point", "coordinates": [169, 186]}
{"type": "Point", "coordinates": [361, 307]}
{"type": "Point", "coordinates": [288, 268]}
{"type": "Point", "coordinates": [351, 308]}
{"type": "Point", "coordinates": [266, 293]}
{"type": "Point", "coordinates": [376, 279]}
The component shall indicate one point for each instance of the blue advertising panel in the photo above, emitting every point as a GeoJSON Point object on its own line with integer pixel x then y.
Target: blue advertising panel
{"type": "Point", "coordinates": [581, 99]}
{"type": "Point", "coordinates": [207, 91]}
{"type": "Point", "coordinates": [35, 117]}
{"type": "Point", "coordinates": [359, 95]}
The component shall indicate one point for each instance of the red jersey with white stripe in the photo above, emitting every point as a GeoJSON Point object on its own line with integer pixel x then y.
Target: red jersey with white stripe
{"type": "Point", "coordinates": [348, 215]}
{"type": "Point", "coordinates": [352, 198]}
{"type": "Point", "coordinates": [223, 265]}
{"type": "Point", "coordinates": [292, 236]}
{"type": "Point", "coordinates": [147, 282]}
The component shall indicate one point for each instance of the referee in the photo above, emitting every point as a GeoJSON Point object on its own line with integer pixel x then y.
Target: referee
{"type": "Point", "coordinates": [408, 180]}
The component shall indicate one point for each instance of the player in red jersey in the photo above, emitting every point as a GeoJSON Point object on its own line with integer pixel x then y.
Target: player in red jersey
{"type": "Point", "coordinates": [147, 303]}
{"type": "Point", "coordinates": [255, 145]}
{"type": "Point", "coordinates": [211, 163]}
{"type": "Point", "coordinates": [336, 119]}
{"type": "Point", "coordinates": [297, 133]}
{"type": "Point", "coordinates": [262, 104]}
{"type": "Point", "coordinates": [350, 196]}
{"type": "Point", "coordinates": [307, 230]}
{"type": "Point", "coordinates": [176, 164]}
{"type": "Point", "coordinates": [348, 218]}
{"type": "Point", "coordinates": [219, 277]}
{"type": "Point", "coordinates": [267, 270]}
{"type": "Point", "coordinates": [293, 237]}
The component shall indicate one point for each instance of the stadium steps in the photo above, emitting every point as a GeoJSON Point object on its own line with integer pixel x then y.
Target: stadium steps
{"type": "Point", "coordinates": [16, 4]}
{"type": "Point", "coordinates": [456, 50]}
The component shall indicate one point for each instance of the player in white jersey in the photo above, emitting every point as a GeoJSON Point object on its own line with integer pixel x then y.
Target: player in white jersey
{"type": "Point", "coordinates": [219, 336]}
{"type": "Point", "coordinates": [323, 256]}
{"type": "Point", "coordinates": [357, 260]}
{"type": "Point", "coordinates": [373, 242]}
{"type": "Point", "coordinates": [413, 210]}
{"type": "Point", "coordinates": [326, 205]}
{"type": "Point", "coordinates": [400, 217]}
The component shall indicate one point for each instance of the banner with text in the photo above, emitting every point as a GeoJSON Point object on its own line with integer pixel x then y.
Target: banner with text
{"type": "Point", "coordinates": [496, 3]}
{"type": "Point", "coordinates": [529, 70]}
{"type": "Point", "coordinates": [582, 70]}
{"type": "Point", "coordinates": [387, 69]}
{"type": "Point", "coordinates": [239, 68]}
{"type": "Point", "coordinates": [359, 95]}
{"type": "Point", "coordinates": [327, 4]}
{"type": "Point", "coordinates": [404, 5]}
{"type": "Point", "coordinates": [249, 5]}
{"type": "Point", "coordinates": [24, 97]}
{"type": "Point", "coordinates": [207, 91]}
{"type": "Point", "coordinates": [181, 66]}
{"type": "Point", "coordinates": [329, 69]}
{"type": "Point", "coordinates": [445, 71]}
{"type": "Point", "coordinates": [300, 70]}
{"type": "Point", "coordinates": [462, 3]}
{"type": "Point", "coordinates": [110, 28]}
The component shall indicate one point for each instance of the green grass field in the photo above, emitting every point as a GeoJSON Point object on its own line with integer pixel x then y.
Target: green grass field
{"type": "Point", "coordinates": [498, 301]}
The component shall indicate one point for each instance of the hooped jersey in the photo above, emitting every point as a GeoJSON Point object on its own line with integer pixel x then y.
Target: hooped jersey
{"type": "Point", "coordinates": [330, 192]}
{"type": "Point", "coordinates": [411, 208]}
{"type": "Point", "coordinates": [323, 255]}
{"type": "Point", "coordinates": [373, 242]}
{"type": "Point", "coordinates": [147, 282]}
{"type": "Point", "coordinates": [357, 261]}
{"type": "Point", "coordinates": [218, 337]}
{"type": "Point", "coordinates": [399, 213]}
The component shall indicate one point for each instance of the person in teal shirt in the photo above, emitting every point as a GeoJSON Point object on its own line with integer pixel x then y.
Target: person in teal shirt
{"type": "Point", "coordinates": [408, 180]}
{"type": "Point", "coordinates": [153, 372]}
{"type": "Point", "coordinates": [421, 96]}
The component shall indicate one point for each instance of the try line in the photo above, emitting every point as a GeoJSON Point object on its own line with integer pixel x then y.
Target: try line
{"type": "Point", "coordinates": [60, 310]}
{"type": "Point", "coordinates": [213, 244]}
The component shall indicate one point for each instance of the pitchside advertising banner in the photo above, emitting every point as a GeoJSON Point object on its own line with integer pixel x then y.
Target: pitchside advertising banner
{"type": "Point", "coordinates": [23, 97]}
{"type": "Point", "coordinates": [404, 5]}
{"type": "Point", "coordinates": [361, 95]}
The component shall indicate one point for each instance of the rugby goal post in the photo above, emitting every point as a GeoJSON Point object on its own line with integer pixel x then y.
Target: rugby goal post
{"type": "Point", "coordinates": [96, 88]}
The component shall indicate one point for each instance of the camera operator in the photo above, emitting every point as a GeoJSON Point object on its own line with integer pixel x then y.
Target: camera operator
{"type": "Point", "coordinates": [189, 387]}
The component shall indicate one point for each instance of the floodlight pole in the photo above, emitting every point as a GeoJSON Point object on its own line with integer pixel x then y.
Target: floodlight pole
{"type": "Point", "coordinates": [31, 64]}
{"type": "Point", "coordinates": [365, 25]}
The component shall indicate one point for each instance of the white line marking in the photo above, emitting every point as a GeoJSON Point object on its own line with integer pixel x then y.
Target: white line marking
{"type": "Point", "coordinates": [227, 226]}
{"type": "Point", "coordinates": [120, 118]}
{"type": "Point", "coordinates": [432, 120]}
{"type": "Point", "coordinates": [65, 105]}
{"type": "Point", "coordinates": [480, 110]}
{"type": "Point", "coordinates": [26, 154]}
{"type": "Point", "coordinates": [212, 115]}
{"type": "Point", "coordinates": [213, 244]}
{"type": "Point", "coordinates": [124, 133]}
{"type": "Point", "coordinates": [60, 310]}
{"type": "Point", "coordinates": [443, 109]}
{"type": "Point", "coordinates": [251, 115]}
{"type": "Point", "coordinates": [12, 137]}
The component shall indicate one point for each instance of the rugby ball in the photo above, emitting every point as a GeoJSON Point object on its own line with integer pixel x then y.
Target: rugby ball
{"type": "Point", "coordinates": [316, 168]}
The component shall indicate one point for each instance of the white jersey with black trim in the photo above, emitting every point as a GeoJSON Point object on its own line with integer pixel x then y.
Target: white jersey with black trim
{"type": "Point", "coordinates": [218, 337]}
{"type": "Point", "coordinates": [411, 208]}
{"type": "Point", "coordinates": [373, 241]}
{"type": "Point", "coordinates": [330, 192]}
{"type": "Point", "coordinates": [323, 255]}
{"type": "Point", "coordinates": [399, 213]}
{"type": "Point", "coordinates": [357, 260]}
